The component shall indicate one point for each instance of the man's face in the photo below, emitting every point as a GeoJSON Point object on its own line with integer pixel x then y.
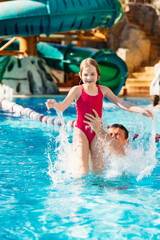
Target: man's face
{"type": "Point", "coordinates": [118, 134]}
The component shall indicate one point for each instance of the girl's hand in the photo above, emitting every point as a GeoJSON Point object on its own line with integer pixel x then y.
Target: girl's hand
{"type": "Point", "coordinates": [147, 113]}
{"type": "Point", "coordinates": [50, 103]}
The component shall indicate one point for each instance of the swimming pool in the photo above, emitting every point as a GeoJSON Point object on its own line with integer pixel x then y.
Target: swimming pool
{"type": "Point", "coordinates": [39, 200]}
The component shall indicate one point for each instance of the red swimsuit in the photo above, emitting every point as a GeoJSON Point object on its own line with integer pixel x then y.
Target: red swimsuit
{"type": "Point", "coordinates": [84, 105]}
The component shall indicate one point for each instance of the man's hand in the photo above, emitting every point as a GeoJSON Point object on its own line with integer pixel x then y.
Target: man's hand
{"type": "Point", "coordinates": [94, 121]}
{"type": "Point", "coordinates": [114, 146]}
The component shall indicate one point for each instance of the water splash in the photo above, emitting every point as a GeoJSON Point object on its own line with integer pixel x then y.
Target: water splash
{"type": "Point", "coordinates": [63, 167]}
{"type": "Point", "coordinates": [138, 162]}
{"type": "Point", "coordinates": [150, 158]}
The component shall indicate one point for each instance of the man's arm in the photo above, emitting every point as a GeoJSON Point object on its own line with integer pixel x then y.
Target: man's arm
{"type": "Point", "coordinates": [113, 144]}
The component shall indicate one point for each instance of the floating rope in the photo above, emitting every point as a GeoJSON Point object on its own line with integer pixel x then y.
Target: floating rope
{"type": "Point", "coordinates": [18, 109]}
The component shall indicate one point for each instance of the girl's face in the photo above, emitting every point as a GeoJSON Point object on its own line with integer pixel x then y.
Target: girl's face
{"type": "Point", "coordinates": [89, 75]}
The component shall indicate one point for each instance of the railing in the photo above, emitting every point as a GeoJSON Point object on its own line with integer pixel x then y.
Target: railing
{"type": "Point", "coordinates": [138, 1]}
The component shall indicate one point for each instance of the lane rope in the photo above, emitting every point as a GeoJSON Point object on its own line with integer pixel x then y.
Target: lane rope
{"type": "Point", "coordinates": [19, 110]}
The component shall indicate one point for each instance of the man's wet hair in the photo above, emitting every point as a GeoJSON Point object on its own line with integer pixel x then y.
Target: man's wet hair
{"type": "Point", "coordinates": [117, 125]}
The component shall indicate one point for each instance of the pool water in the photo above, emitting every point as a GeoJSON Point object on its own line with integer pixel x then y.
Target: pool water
{"type": "Point", "coordinates": [41, 200]}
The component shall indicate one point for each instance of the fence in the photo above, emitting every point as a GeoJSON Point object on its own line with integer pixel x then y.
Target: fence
{"type": "Point", "coordinates": [138, 1]}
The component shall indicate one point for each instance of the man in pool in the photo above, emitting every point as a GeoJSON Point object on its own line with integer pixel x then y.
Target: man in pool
{"type": "Point", "coordinates": [116, 137]}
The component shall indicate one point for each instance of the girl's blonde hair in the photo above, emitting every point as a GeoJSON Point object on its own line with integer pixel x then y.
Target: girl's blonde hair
{"type": "Point", "coordinates": [86, 63]}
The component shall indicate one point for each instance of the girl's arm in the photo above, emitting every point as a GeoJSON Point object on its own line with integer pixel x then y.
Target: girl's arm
{"type": "Point", "coordinates": [74, 93]}
{"type": "Point", "coordinates": [124, 104]}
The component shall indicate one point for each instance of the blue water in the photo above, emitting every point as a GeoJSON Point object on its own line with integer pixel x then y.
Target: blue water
{"type": "Point", "coordinates": [39, 200]}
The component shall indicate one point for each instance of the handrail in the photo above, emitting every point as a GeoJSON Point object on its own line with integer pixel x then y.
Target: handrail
{"type": "Point", "coordinates": [137, 1]}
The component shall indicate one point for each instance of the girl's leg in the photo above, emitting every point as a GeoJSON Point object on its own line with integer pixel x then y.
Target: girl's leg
{"type": "Point", "coordinates": [81, 148]}
{"type": "Point", "coordinates": [97, 152]}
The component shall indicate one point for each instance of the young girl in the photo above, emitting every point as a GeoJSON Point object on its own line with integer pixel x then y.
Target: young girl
{"type": "Point", "coordinates": [89, 96]}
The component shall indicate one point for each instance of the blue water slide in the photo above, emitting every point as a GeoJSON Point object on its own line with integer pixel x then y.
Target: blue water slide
{"type": "Point", "coordinates": [30, 17]}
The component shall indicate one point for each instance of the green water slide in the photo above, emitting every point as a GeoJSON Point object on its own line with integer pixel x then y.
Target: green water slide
{"type": "Point", "coordinates": [30, 17]}
{"type": "Point", "coordinates": [68, 58]}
